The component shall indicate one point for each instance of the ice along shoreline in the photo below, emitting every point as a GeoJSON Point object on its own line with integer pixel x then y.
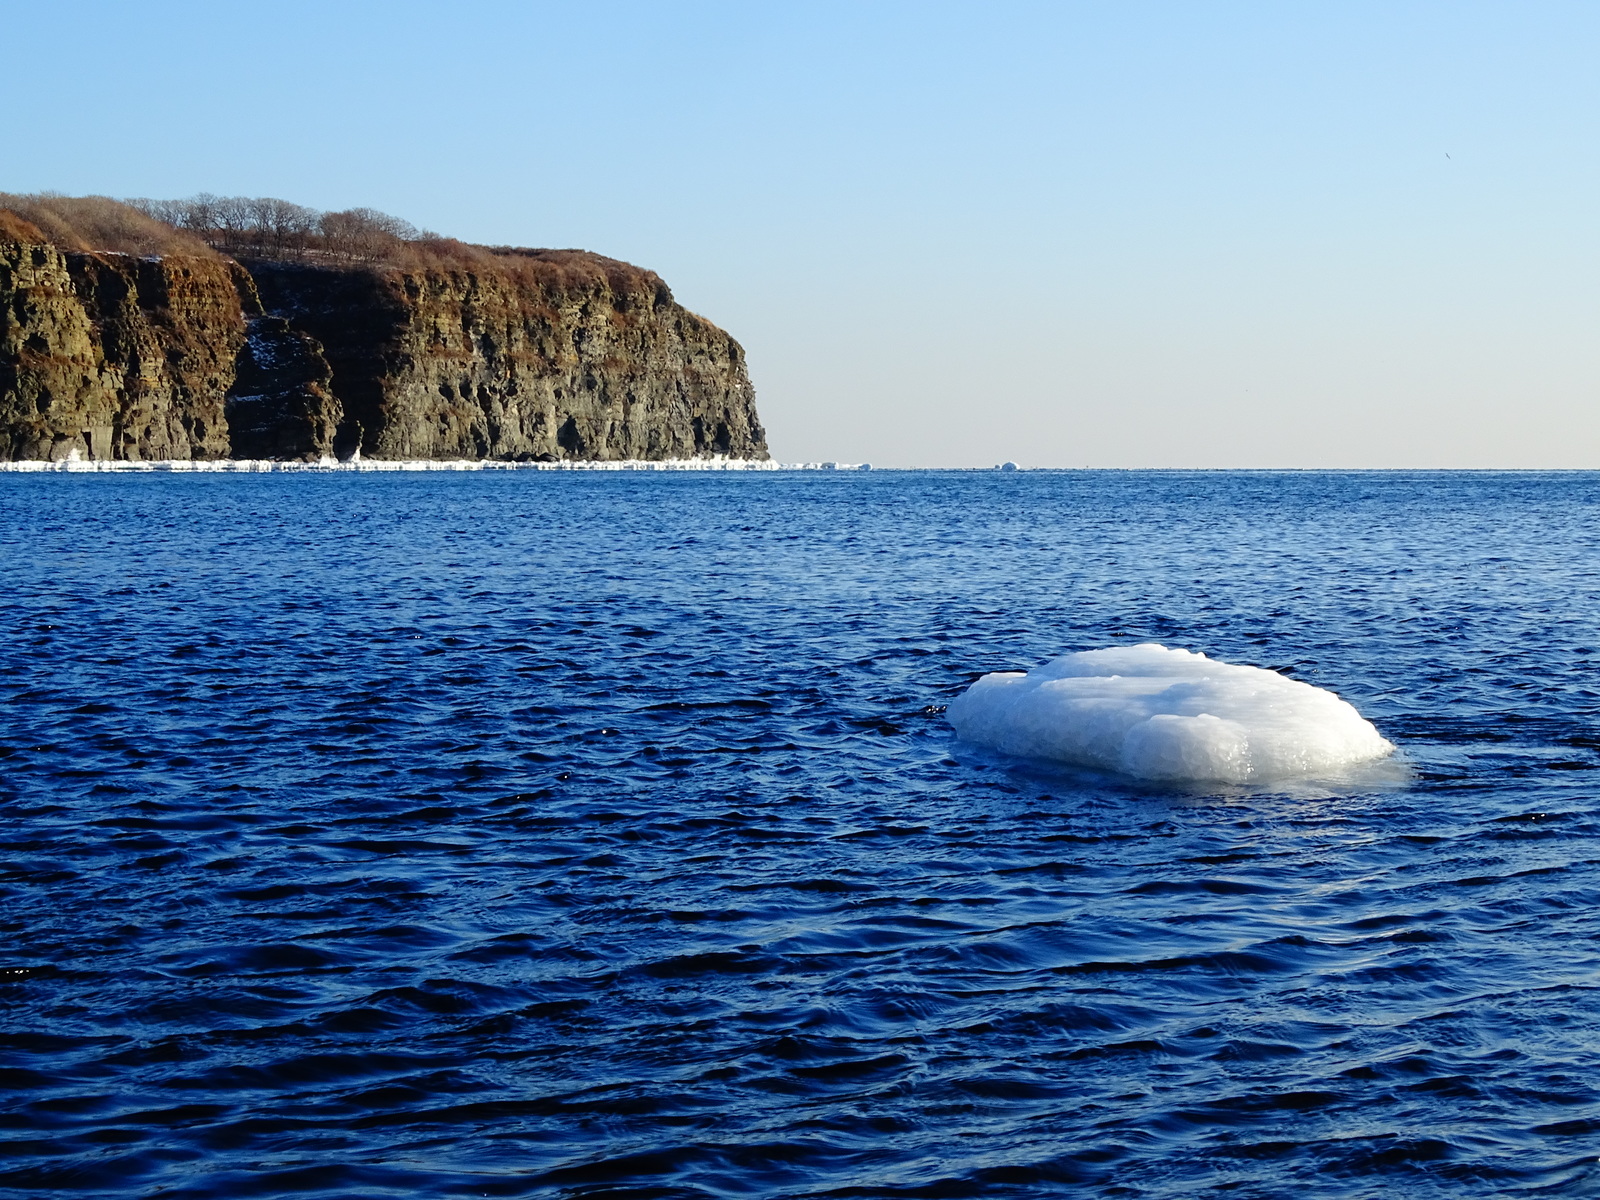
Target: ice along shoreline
{"type": "Point", "coordinates": [263, 466]}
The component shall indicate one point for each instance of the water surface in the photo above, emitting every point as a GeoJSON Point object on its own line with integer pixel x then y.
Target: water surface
{"type": "Point", "coordinates": [583, 835]}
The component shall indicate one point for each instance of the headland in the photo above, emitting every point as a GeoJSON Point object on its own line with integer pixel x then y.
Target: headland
{"type": "Point", "coordinates": [218, 329]}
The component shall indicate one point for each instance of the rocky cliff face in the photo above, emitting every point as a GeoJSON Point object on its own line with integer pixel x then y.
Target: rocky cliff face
{"type": "Point", "coordinates": [109, 356]}
{"type": "Point", "coordinates": [524, 355]}
{"type": "Point", "coordinates": [549, 355]}
{"type": "Point", "coordinates": [281, 404]}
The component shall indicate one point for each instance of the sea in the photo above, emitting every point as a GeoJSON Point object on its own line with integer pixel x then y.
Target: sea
{"type": "Point", "coordinates": [597, 834]}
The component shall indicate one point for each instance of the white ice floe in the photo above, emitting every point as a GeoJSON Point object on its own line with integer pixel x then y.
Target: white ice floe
{"type": "Point", "coordinates": [1167, 715]}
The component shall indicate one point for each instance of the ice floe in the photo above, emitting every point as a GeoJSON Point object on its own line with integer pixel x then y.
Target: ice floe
{"type": "Point", "coordinates": [1169, 715]}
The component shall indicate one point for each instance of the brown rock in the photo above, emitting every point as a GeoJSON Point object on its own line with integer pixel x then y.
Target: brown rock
{"type": "Point", "coordinates": [111, 356]}
{"type": "Point", "coordinates": [445, 352]}
{"type": "Point", "coordinates": [542, 355]}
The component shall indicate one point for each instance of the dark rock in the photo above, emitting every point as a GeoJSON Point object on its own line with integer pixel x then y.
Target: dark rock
{"type": "Point", "coordinates": [527, 355]}
{"type": "Point", "coordinates": [111, 356]}
{"type": "Point", "coordinates": [542, 356]}
{"type": "Point", "coordinates": [281, 404]}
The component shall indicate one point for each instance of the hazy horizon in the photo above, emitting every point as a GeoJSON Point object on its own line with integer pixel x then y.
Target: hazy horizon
{"type": "Point", "coordinates": [1108, 235]}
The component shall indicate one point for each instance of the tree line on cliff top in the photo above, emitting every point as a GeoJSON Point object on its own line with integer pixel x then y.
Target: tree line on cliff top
{"type": "Point", "coordinates": [238, 226]}
{"type": "Point", "coordinates": [248, 228]}
{"type": "Point", "coordinates": [266, 227]}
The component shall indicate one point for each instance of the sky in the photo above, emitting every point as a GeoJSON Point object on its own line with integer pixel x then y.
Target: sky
{"type": "Point", "coordinates": [1113, 234]}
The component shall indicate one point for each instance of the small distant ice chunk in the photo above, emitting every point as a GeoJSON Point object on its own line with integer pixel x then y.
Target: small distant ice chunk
{"type": "Point", "coordinates": [1168, 715]}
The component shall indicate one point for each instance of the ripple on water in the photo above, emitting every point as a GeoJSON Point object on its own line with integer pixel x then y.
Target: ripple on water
{"type": "Point", "coordinates": [533, 835]}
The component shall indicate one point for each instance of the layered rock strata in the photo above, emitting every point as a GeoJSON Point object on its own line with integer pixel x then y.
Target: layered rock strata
{"type": "Point", "coordinates": [108, 356]}
{"type": "Point", "coordinates": [522, 355]}
{"type": "Point", "coordinates": [281, 404]}
{"type": "Point", "coordinates": [554, 355]}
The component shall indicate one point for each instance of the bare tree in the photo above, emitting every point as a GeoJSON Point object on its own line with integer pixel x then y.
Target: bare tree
{"type": "Point", "coordinates": [234, 222]}
{"type": "Point", "coordinates": [282, 229]}
{"type": "Point", "coordinates": [200, 214]}
{"type": "Point", "coordinates": [267, 227]}
{"type": "Point", "coordinates": [364, 234]}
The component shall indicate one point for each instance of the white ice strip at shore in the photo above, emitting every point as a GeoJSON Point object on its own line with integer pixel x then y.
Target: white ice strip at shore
{"type": "Point", "coordinates": [1167, 715]}
{"type": "Point", "coordinates": [252, 465]}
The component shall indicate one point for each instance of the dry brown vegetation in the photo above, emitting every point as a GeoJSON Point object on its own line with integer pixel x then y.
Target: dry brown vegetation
{"type": "Point", "coordinates": [570, 268]}
{"type": "Point", "coordinates": [14, 228]}
{"type": "Point", "coordinates": [100, 223]}
{"type": "Point", "coordinates": [269, 229]}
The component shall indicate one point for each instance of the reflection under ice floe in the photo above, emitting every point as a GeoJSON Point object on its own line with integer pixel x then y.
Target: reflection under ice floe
{"type": "Point", "coordinates": [1170, 716]}
{"type": "Point", "coordinates": [1056, 783]}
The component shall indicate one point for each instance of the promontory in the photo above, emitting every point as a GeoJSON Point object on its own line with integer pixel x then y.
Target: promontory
{"type": "Point", "coordinates": [225, 327]}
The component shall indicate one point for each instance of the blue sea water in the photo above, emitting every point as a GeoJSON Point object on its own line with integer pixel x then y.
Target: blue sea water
{"type": "Point", "coordinates": [585, 835]}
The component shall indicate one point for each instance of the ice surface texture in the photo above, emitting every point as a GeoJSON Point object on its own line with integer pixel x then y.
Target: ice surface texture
{"type": "Point", "coordinates": [1169, 715]}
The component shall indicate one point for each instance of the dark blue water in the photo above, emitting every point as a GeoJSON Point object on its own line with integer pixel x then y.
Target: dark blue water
{"type": "Point", "coordinates": [579, 835]}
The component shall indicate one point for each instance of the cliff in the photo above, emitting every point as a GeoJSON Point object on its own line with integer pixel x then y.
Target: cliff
{"type": "Point", "coordinates": [543, 355]}
{"type": "Point", "coordinates": [454, 352]}
{"type": "Point", "coordinates": [115, 357]}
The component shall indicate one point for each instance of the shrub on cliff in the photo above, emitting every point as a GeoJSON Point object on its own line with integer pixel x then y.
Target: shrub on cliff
{"type": "Point", "coordinates": [273, 230]}
{"type": "Point", "coordinates": [265, 227]}
{"type": "Point", "coordinates": [14, 228]}
{"type": "Point", "coordinates": [101, 223]}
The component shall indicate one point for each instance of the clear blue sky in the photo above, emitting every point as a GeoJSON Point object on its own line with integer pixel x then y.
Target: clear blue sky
{"type": "Point", "coordinates": [1110, 234]}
